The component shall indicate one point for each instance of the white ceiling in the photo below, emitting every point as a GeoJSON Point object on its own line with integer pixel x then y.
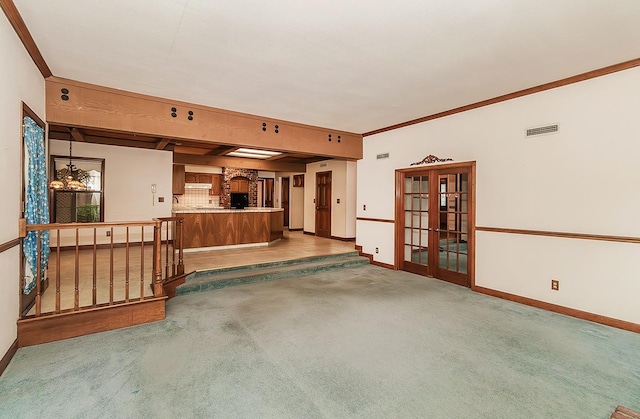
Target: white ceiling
{"type": "Point", "coordinates": [353, 65]}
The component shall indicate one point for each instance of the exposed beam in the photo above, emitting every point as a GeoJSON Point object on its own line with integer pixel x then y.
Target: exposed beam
{"type": "Point", "coordinates": [77, 135]}
{"type": "Point", "coordinates": [238, 162]}
{"type": "Point", "coordinates": [162, 143]}
{"type": "Point", "coordinates": [20, 27]}
{"type": "Point", "coordinates": [223, 151]}
{"type": "Point", "coordinates": [107, 109]}
{"type": "Point", "coordinates": [56, 135]}
{"type": "Point", "coordinates": [278, 157]}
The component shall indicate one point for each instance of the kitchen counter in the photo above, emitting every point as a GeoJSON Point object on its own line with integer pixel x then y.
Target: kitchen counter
{"type": "Point", "coordinates": [191, 210]}
{"type": "Point", "coordinates": [205, 228]}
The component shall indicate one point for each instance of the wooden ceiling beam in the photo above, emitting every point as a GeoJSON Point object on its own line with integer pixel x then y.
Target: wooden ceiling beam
{"type": "Point", "coordinates": [238, 162]}
{"type": "Point", "coordinates": [20, 27]}
{"type": "Point", "coordinates": [162, 143]}
{"type": "Point", "coordinates": [77, 135]}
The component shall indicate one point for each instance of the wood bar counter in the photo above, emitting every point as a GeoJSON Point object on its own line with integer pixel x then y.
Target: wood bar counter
{"type": "Point", "coordinates": [209, 227]}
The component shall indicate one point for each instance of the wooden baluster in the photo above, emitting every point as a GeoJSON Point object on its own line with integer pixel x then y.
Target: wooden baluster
{"type": "Point", "coordinates": [38, 274]}
{"type": "Point", "coordinates": [157, 260]}
{"type": "Point", "coordinates": [58, 271]}
{"type": "Point", "coordinates": [166, 252]}
{"type": "Point", "coordinates": [142, 265]}
{"type": "Point", "coordinates": [94, 290]}
{"type": "Point", "coordinates": [126, 273]}
{"type": "Point", "coordinates": [111, 269]}
{"type": "Point", "coordinates": [76, 292]}
{"type": "Point", "coordinates": [180, 252]}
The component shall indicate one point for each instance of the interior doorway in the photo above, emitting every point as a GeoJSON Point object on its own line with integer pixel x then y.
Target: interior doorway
{"type": "Point", "coordinates": [284, 200]}
{"type": "Point", "coordinates": [435, 223]}
{"type": "Point", "coordinates": [323, 204]}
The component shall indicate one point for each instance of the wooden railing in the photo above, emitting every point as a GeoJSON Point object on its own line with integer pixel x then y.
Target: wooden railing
{"type": "Point", "coordinates": [105, 264]}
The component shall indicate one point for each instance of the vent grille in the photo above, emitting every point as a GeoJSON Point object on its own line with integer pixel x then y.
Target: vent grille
{"type": "Point", "coordinates": [548, 129]}
{"type": "Point", "coordinates": [382, 156]}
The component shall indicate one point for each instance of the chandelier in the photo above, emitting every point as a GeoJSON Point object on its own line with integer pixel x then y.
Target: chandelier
{"type": "Point", "coordinates": [70, 177]}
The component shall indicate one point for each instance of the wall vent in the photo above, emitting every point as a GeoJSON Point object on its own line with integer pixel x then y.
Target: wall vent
{"type": "Point", "coordinates": [382, 156]}
{"type": "Point", "coordinates": [547, 129]}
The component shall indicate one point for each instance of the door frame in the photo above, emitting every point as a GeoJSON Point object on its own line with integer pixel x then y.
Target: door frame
{"type": "Point", "coordinates": [286, 191]}
{"type": "Point", "coordinates": [399, 212]}
{"type": "Point", "coordinates": [315, 201]}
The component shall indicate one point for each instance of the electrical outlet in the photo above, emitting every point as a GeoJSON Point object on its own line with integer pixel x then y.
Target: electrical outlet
{"type": "Point", "coordinates": [555, 285]}
{"type": "Point", "coordinates": [161, 199]}
{"type": "Point", "coordinates": [108, 233]}
{"type": "Point", "coordinates": [377, 250]}
{"type": "Point", "coordinates": [364, 208]}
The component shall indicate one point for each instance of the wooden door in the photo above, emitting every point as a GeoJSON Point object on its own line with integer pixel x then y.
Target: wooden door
{"type": "Point", "coordinates": [284, 199]}
{"type": "Point", "coordinates": [268, 193]}
{"type": "Point", "coordinates": [323, 204]}
{"type": "Point", "coordinates": [434, 230]}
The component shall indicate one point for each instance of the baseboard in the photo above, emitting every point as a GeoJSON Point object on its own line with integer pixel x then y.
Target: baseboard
{"type": "Point", "coordinates": [374, 262]}
{"type": "Point", "coordinates": [583, 315]}
{"type": "Point", "coordinates": [37, 330]}
{"type": "Point", "coordinates": [344, 239]}
{"type": "Point", "coordinates": [296, 229]}
{"type": "Point", "coordinates": [309, 233]}
{"type": "Point", "coordinates": [4, 363]}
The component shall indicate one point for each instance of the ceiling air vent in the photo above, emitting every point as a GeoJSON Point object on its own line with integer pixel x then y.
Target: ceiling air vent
{"type": "Point", "coordinates": [382, 156]}
{"type": "Point", "coordinates": [548, 129]}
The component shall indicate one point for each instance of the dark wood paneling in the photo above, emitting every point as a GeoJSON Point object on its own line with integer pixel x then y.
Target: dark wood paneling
{"type": "Point", "coordinates": [226, 229]}
{"type": "Point", "coordinates": [19, 26]}
{"type": "Point", "coordinates": [621, 239]}
{"type": "Point", "coordinates": [584, 315]}
{"type": "Point", "coordinates": [4, 363]}
{"type": "Point", "coordinates": [34, 331]}
{"type": "Point", "coordinates": [547, 86]}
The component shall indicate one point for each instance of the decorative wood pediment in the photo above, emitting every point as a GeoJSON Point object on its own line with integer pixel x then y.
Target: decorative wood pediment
{"type": "Point", "coordinates": [431, 159]}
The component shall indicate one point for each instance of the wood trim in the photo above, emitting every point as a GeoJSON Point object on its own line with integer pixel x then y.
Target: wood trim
{"type": "Point", "coordinates": [583, 315]}
{"type": "Point", "coordinates": [372, 261]}
{"type": "Point", "coordinates": [27, 111]}
{"type": "Point", "coordinates": [344, 239]}
{"type": "Point", "coordinates": [295, 229]}
{"type": "Point", "coordinates": [4, 363]}
{"type": "Point", "coordinates": [34, 331]}
{"type": "Point", "coordinates": [376, 220]}
{"type": "Point", "coordinates": [536, 89]}
{"type": "Point", "coordinates": [10, 244]}
{"type": "Point", "coordinates": [582, 236]}
{"type": "Point", "coordinates": [23, 33]}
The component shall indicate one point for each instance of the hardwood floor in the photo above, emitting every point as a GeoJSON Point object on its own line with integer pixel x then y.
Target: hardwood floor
{"type": "Point", "coordinates": [293, 245]}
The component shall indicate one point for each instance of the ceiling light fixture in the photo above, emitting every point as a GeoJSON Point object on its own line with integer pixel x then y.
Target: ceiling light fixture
{"type": "Point", "coordinates": [69, 178]}
{"type": "Point", "coordinates": [253, 153]}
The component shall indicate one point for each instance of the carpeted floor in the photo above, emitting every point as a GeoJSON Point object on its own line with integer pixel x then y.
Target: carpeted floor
{"type": "Point", "coordinates": [362, 342]}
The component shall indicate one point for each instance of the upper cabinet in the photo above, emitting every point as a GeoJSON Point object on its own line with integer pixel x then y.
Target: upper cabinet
{"type": "Point", "coordinates": [240, 184]}
{"type": "Point", "coordinates": [178, 179]}
{"type": "Point", "coordinates": [216, 185]}
{"type": "Point", "coordinates": [191, 177]}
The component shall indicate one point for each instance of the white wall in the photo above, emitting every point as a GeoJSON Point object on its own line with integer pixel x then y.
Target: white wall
{"type": "Point", "coordinates": [20, 81]}
{"type": "Point", "coordinates": [296, 200]}
{"type": "Point", "coordinates": [581, 180]}
{"type": "Point", "coordinates": [128, 176]}
{"type": "Point", "coordinates": [343, 186]}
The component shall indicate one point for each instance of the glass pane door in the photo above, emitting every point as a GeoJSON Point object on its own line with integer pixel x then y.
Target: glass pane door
{"type": "Point", "coordinates": [416, 220]}
{"type": "Point", "coordinates": [453, 223]}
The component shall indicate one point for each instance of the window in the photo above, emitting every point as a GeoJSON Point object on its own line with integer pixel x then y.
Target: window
{"type": "Point", "coordinates": [78, 205]}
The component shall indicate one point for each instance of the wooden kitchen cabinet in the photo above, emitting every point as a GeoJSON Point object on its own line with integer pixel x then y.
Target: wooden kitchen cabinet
{"type": "Point", "coordinates": [216, 185]}
{"type": "Point", "coordinates": [178, 179]}
{"type": "Point", "coordinates": [240, 185]}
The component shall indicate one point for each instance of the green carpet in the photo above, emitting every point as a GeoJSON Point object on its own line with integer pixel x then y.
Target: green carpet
{"type": "Point", "coordinates": [362, 342]}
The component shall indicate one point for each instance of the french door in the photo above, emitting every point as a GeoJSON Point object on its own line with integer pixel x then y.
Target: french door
{"type": "Point", "coordinates": [434, 223]}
